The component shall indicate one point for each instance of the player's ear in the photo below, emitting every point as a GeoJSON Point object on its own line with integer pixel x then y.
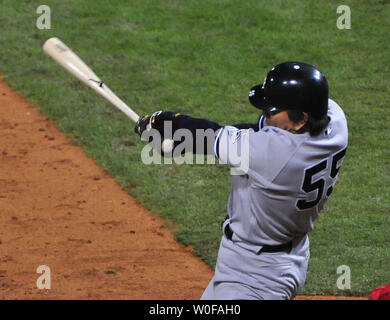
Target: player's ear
{"type": "Point", "coordinates": [300, 124]}
{"type": "Point", "coordinates": [305, 118]}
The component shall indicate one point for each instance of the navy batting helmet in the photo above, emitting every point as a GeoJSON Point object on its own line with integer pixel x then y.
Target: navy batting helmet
{"type": "Point", "coordinates": [293, 86]}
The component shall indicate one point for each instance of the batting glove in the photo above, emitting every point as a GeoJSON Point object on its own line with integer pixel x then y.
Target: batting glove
{"type": "Point", "coordinates": [146, 123]}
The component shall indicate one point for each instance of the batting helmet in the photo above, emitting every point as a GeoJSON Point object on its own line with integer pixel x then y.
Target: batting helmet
{"type": "Point", "coordinates": [293, 86]}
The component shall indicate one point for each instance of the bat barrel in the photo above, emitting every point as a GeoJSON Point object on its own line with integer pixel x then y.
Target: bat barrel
{"type": "Point", "coordinates": [65, 57]}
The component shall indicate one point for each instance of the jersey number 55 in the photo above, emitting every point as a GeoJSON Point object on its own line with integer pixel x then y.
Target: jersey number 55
{"type": "Point", "coordinates": [309, 185]}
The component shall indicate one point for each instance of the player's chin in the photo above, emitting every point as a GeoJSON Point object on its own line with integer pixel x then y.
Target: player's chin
{"type": "Point", "coordinates": [272, 123]}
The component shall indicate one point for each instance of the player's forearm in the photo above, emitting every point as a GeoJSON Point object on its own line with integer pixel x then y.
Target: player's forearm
{"type": "Point", "coordinates": [193, 124]}
{"type": "Point", "coordinates": [201, 131]}
{"type": "Point", "coordinates": [198, 134]}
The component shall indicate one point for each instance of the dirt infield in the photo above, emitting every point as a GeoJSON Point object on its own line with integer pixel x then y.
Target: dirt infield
{"type": "Point", "coordinates": [59, 209]}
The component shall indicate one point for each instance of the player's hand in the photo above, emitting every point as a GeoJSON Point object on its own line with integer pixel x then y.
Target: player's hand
{"type": "Point", "coordinates": [146, 123]}
{"type": "Point", "coordinates": [155, 121]}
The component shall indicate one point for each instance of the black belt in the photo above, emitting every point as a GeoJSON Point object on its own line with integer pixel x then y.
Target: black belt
{"type": "Point", "coordinates": [286, 247]}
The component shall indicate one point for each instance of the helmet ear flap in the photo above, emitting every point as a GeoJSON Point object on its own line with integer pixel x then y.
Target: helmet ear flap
{"type": "Point", "coordinates": [256, 96]}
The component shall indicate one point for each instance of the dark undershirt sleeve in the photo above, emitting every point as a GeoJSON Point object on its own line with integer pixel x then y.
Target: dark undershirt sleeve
{"type": "Point", "coordinates": [254, 126]}
{"type": "Point", "coordinates": [202, 131]}
{"type": "Point", "coordinates": [185, 129]}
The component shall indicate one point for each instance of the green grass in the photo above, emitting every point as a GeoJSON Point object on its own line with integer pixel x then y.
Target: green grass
{"type": "Point", "coordinates": [201, 58]}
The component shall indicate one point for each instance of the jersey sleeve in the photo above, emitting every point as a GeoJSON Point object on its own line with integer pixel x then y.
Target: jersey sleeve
{"type": "Point", "coordinates": [231, 147]}
{"type": "Point", "coordinates": [261, 154]}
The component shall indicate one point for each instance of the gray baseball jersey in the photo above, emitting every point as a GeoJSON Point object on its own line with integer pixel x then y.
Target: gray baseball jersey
{"type": "Point", "coordinates": [288, 178]}
{"type": "Point", "coordinates": [282, 182]}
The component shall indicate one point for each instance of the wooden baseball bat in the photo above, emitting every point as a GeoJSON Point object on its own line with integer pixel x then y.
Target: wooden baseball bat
{"type": "Point", "coordinates": [66, 58]}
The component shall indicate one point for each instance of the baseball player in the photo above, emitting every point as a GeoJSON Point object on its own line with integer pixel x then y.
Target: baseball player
{"type": "Point", "coordinates": [286, 166]}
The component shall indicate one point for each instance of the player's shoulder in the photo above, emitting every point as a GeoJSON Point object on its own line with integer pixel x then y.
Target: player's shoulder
{"type": "Point", "coordinates": [335, 135]}
{"type": "Point", "coordinates": [278, 136]}
{"type": "Point", "coordinates": [337, 118]}
{"type": "Point", "coordinates": [335, 111]}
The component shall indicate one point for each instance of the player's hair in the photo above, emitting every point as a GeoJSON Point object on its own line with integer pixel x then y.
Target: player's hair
{"type": "Point", "coordinates": [313, 126]}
